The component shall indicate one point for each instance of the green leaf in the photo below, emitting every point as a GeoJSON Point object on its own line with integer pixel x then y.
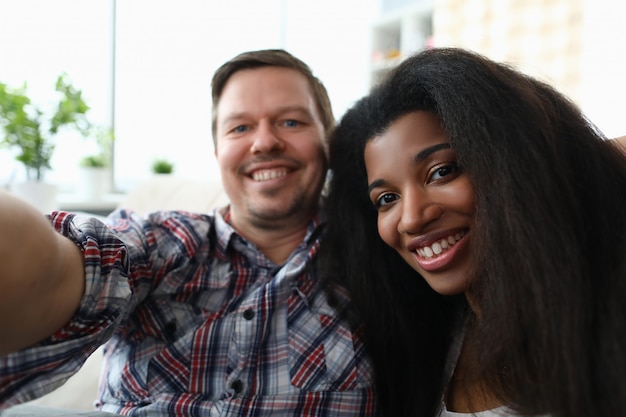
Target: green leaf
{"type": "Point", "coordinates": [22, 123]}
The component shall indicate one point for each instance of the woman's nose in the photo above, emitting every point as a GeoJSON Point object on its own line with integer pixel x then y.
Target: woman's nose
{"type": "Point", "coordinates": [418, 210]}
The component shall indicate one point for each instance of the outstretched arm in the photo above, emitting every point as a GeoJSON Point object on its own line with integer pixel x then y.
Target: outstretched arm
{"type": "Point", "coordinates": [41, 276]}
{"type": "Point", "coordinates": [621, 141]}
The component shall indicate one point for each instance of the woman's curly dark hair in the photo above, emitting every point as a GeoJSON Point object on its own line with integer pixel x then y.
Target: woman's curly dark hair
{"type": "Point", "coordinates": [549, 242]}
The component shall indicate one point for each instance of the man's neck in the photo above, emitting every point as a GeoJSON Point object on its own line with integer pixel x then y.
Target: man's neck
{"type": "Point", "coordinates": [277, 246]}
{"type": "Point", "coordinates": [277, 240]}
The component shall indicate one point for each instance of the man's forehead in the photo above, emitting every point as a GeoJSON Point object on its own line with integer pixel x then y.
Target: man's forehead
{"type": "Point", "coordinates": [265, 89]}
{"type": "Point", "coordinates": [264, 81]}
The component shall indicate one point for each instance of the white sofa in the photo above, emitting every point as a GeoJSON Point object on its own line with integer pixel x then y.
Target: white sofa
{"type": "Point", "coordinates": [162, 192]}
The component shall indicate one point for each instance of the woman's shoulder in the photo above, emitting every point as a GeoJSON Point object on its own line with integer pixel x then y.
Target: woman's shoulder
{"type": "Point", "coordinates": [502, 411]}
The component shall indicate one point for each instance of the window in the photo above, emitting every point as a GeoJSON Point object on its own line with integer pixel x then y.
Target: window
{"type": "Point", "coordinates": [165, 54]}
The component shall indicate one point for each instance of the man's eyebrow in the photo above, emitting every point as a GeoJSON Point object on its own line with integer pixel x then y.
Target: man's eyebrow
{"type": "Point", "coordinates": [285, 109]}
{"type": "Point", "coordinates": [429, 151]}
{"type": "Point", "coordinates": [233, 116]}
{"type": "Point", "coordinates": [295, 108]}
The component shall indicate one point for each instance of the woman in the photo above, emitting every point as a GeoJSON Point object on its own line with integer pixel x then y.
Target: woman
{"type": "Point", "coordinates": [509, 205]}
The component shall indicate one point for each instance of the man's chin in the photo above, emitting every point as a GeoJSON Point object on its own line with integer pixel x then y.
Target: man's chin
{"type": "Point", "coordinates": [272, 213]}
{"type": "Point", "coordinates": [276, 213]}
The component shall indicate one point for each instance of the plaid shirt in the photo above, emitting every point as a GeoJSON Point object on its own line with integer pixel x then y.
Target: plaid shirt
{"type": "Point", "coordinates": [199, 322]}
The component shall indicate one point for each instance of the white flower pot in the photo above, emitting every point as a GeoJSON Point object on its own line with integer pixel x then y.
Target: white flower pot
{"type": "Point", "coordinates": [94, 183]}
{"type": "Point", "coordinates": [41, 195]}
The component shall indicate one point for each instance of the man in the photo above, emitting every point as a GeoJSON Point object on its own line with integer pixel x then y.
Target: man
{"type": "Point", "coordinates": [219, 314]}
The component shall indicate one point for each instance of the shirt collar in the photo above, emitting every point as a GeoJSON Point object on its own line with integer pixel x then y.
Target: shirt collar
{"type": "Point", "coordinates": [225, 232]}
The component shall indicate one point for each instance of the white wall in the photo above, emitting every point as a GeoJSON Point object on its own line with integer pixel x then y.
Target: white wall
{"type": "Point", "coordinates": [578, 46]}
{"type": "Point", "coordinates": [604, 65]}
{"type": "Point", "coordinates": [41, 39]}
{"type": "Point", "coordinates": [166, 53]}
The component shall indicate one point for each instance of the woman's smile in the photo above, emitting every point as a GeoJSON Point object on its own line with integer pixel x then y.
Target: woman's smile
{"type": "Point", "coordinates": [441, 253]}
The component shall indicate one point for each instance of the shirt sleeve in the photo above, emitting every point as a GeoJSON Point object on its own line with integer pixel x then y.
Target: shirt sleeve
{"type": "Point", "coordinates": [126, 260]}
{"type": "Point", "coordinates": [37, 370]}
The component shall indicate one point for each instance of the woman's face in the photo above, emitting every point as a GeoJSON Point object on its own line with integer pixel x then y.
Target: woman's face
{"type": "Point", "coordinates": [424, 200]}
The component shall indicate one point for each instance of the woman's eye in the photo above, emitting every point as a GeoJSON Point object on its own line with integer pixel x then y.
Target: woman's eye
{"type": "Point", "coordinates": [385, 200]}
{"type": "Point", "coordinates": [444, 171]}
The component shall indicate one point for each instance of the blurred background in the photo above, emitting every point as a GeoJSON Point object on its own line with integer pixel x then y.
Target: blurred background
{"type": "Point", "coordinates": [144, 66]}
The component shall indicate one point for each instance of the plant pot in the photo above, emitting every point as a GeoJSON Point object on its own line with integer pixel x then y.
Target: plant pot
{"type": "Point", "coordinates": [41, 195]}
{"type": "Point", "coordinates": [94, 183]}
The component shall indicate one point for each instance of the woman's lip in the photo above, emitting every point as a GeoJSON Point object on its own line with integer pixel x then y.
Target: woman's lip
{"type": "Point", "coordinates": [430, 238]}
{"type": "Point", "coordinates": [444, 259]}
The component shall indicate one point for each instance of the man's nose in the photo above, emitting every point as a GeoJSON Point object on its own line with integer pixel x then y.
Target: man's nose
{"type": "Point", "coordinates": [266, 139]}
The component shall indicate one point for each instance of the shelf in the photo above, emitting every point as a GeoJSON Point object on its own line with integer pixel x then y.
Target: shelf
{"type": "Point", "coordinates": [99, 206]}
{"type": "Point", "coordinates": [386, 63]}
{"type": "Point", "coordinates": [398, 34]}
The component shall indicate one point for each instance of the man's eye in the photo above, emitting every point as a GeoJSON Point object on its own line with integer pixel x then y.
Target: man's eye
{"type": "Point", "coordinates": [385, 200]}
{"type": "Point", "coordinates": [444, 171]}
{"type": "Point", "coordinates": [291, 123]}
{"type": "Point", "coordinates": [240, 129]}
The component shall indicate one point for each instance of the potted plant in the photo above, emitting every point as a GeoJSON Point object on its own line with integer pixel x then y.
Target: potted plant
{"type": "Point", "coordinates": [32, 132]}
{"type": "Point", "coordinates": [162, 166]}
{"type": "Point", "coordinates": [95, 167]}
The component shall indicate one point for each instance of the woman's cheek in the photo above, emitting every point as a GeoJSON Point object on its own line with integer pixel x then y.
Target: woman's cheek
{"type": "Point", "coordinates": [387, 229]}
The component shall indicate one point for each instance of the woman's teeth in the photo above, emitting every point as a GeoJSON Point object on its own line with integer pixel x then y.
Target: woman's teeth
{"type": "Point", "coordinates": [440, 246]}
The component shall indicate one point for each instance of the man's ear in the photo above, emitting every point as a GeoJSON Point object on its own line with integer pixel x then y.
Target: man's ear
{"type": "Point", "coordinates": [621, 142]}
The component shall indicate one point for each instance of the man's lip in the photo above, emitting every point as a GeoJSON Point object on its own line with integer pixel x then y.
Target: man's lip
{"type": "Point", "coordinates": [263, 175]}
{"type": "Point", "coordinates": [250, 168]}
{"type": "Point", "coordinates": [280, 168]}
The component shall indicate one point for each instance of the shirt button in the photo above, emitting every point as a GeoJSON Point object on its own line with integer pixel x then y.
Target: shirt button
{"type": "Point", "coordinates": [170, 328]}
{"type": "Point", "coordinates": [237, 386]}
{"type": "Point", "coordinates": [248, 314]}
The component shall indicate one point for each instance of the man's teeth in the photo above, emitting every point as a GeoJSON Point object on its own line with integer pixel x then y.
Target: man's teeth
{"type": "Point", "coordinates": [268, 174]}
{"type": "Point", "coordinates": [440, 246]}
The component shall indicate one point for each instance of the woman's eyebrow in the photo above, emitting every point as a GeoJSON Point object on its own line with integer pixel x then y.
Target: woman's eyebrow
{"type": "Point", "coordinates": [374, 184]}
{"type": "Point", "coordinates": [422, 155]}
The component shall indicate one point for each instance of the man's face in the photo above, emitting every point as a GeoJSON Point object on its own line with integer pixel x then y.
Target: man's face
{"type": "Point", "coordinates": [270, 147]}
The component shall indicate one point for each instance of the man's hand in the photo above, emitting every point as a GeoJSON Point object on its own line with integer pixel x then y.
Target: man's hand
{"type": "Point", "coordinates": [41, 276]}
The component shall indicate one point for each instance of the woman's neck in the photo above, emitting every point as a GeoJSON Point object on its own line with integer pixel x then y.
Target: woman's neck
{"type": "Point", "coordinates": [467, 393]}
